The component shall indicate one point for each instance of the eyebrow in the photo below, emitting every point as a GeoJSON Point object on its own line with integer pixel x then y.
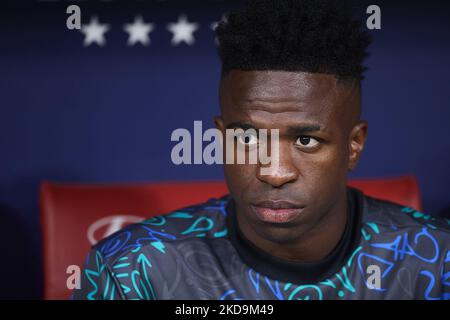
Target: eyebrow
{"type": "Point", "coordinates": [303, 129]}
{"type": "Point", "coordinates": [292, 130]}
{"type": "Point", "coordinates": [241, 125]}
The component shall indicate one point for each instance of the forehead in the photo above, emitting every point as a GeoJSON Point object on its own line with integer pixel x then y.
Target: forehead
{"type": "Point", "coordinates": [277, 86]}
{"type": "Point", "coordinates": [280, 96]}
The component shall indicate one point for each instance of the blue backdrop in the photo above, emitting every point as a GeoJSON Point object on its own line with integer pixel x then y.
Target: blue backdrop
{"type": "Point", "coordinates": [76, 113]}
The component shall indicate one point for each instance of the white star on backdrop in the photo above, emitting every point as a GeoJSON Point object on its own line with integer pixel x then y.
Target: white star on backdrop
{"type": "Point", "coordinates": [183, 31]}
{"type": "Point", "coordinates": [138, 31]}
{"type": "Point", "coordinates": [214, 25]}
{"type": "Point", "coordinates": [94, 32]}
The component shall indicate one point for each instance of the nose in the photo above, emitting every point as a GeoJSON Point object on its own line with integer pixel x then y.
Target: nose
{"type": "Point", "coordinates": [281, 174]}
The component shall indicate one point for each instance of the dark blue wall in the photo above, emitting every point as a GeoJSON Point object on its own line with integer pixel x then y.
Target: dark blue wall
{"type": "Point", "coordinates": [69, 113]}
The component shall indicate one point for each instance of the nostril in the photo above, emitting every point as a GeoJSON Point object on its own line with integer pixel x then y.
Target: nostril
{"type": "Point", "coordinates": [278, 180]}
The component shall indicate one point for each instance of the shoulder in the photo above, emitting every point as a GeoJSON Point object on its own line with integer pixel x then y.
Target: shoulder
{"type": "Point", "coordinates": [404, 241]}
{"type": "Point", "coordinates": [395, 216]}
{"type": "Point", "coordinates": [404, 231]}
{"type": "Point", "coordinates": [202, 222]}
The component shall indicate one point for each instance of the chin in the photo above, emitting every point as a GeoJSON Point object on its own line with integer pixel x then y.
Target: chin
{"type": "Point", "coordinates": [281, 233]}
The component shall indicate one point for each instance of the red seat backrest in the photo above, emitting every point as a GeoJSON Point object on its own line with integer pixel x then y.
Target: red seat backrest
{"type": "Point", "coordinates": [74, 216]}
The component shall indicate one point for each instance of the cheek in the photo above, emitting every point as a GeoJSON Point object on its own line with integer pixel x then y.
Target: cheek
{"type": "Point", "coordinates": [240, 178]}
{"type": "Point", "coordinates": [324, 171]}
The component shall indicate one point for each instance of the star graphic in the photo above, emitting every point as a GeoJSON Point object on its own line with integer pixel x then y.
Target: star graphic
{"type": "Point", "coordinates": [94, 32]}
{"type": "Point", "coordinates": [138, 31]}
{"type": "Point", "coordinates": [214, 26]}
{"type": "Point", "coordinates": [183, 31]}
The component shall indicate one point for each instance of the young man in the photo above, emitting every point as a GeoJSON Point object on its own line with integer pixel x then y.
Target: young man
{"type": "Point", "coordinates": [296, 231]}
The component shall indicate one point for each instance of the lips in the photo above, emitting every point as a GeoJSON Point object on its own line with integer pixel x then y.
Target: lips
{"type": "Point", "coordinates": [276, 211]}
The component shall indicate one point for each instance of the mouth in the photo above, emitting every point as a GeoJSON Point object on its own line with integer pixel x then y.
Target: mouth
{"type": "Point", "coordinates": [276, 211]}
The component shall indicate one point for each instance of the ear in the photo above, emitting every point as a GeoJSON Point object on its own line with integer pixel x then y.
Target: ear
{"type": "Point", "coordinates": [358, 138]}
{"type": "Point", "coordinates": [218, 121]}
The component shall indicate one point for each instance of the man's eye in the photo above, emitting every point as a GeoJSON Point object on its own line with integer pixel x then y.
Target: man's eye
{"type": "Point", "coordinates": [307, 142]}
{"type": "Point", "coordinates": [247, 139]}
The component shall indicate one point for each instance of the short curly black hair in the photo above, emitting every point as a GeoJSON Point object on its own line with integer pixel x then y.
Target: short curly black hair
{"type": "Point", "coordinates": [317, 36]}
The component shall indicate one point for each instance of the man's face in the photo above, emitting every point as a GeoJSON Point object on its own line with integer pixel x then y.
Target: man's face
{"type": "Point", "coordinates": [320, 139]}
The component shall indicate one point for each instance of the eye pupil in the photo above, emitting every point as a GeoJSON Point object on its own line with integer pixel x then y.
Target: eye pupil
{"type": "Point", "coordinates": [305, 140]}
{"type": "Point", "coordinates": [247, 139]}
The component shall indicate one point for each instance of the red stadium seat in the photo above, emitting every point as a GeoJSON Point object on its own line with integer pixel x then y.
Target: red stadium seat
{"type": "Point", "coordinates": [74, 216]}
